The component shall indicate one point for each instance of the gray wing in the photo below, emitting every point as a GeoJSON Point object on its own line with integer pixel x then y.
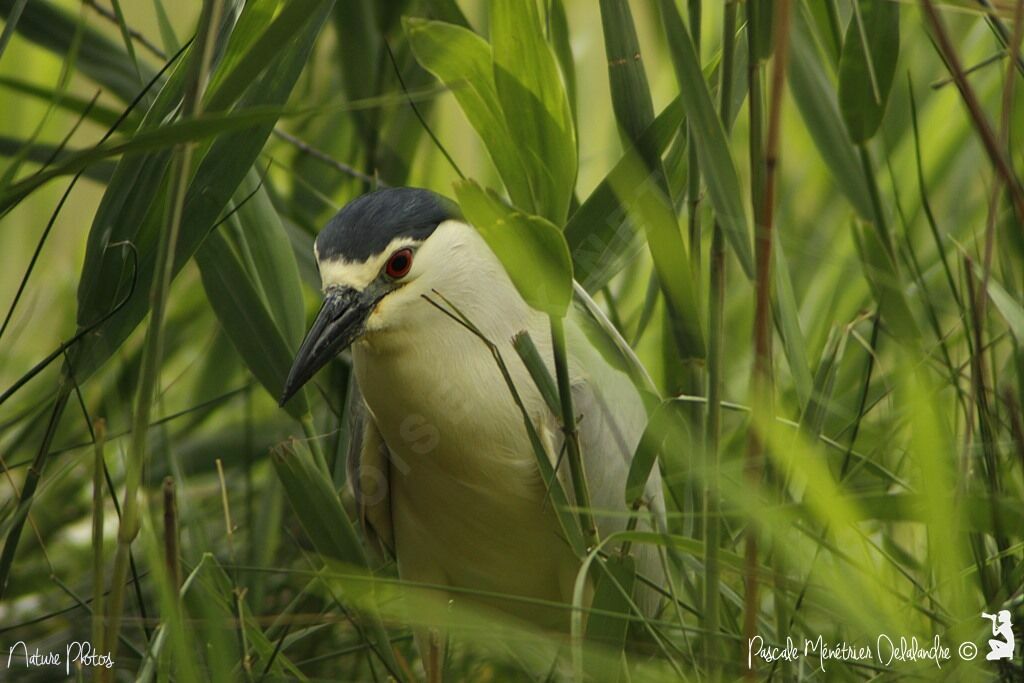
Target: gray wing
{"type": "Point", "coordinates": [369, 473]}
{"type": "Point", "coordinates": [612, 394]}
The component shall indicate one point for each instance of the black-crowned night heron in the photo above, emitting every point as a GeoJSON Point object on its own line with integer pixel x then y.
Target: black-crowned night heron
{"type": "Point", "coordinates": [443, 471]}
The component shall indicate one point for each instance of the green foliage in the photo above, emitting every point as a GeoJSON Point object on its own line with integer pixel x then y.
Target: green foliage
{"type": "Point", "coordinates": [531, 249]}
{"type": "Point", "coordinates": [892, 441]}
{"type": "Point", "coordinates": [867, 65]}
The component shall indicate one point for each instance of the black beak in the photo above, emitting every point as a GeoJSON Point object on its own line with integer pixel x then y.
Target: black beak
{"type": "Point", "coordinates": [342, 318]}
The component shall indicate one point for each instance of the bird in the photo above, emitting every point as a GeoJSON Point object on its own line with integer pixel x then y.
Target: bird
{"type": "Point", "coordinates": [440, 463]}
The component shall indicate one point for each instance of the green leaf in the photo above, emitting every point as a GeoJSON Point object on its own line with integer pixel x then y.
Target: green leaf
{"type": "Point", "coordinates": [538, 369]}
{"type": "Point", "coordinates": [1007, 306]}
{"type": "Point", "coordinates": [12, 16]}
{"type": "Point", "coordinates": [291, 23]}
{"type": "Point", "coordinates": [562, 45]}
{"type": "Point", "coordinates": [40, 153]}
{"type": "Point", "coordinates": [649, 206]}
{"type": "Point", "coordinates": [867, 65]}
{"type": "Point", "coordinates": [601, 236]}
{"type": "Point", "coordinates": [167, 35]}
{"type": "Point", "coordinates": [316, 504]}
{"type": "Point", "coordinates": [535, 105]}
{"type": "Point", "coordinates": [631, 93]}
{"type": "Point", "coordinates": [359, 55]}
{"type": "Point", "coordinates": [817, 408]}
{"type": "Point", "coordinates": [612, 591]}
{"type": "Point", "coordinates": [716, 162]}
{"type": "Point", "coordinates": [666, 421]}
{"type": "Point", "coordinates": [787, 321]}
{"type": "Point", "coordinates": [462, 61]}
{"type": "Point", "coordinates": [132, 206]}
{"type": "Point", "coordinates": [212, 600]}
{"type": "Point", "coordinates": [886, 283]}
{"type": "Point", "coordinates": [245, 316]}
{"type": "Point", "coordinates": [154, 139]}
{"type": "Point", "coordinates": [816, 100]}
{"type": "Point", "coordinates": [532, 250]}
{"type": "Point", "coordinates": [274, 267]}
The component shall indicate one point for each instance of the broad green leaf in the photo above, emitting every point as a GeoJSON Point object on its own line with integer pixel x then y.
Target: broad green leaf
{"type": "Point", "coordinates": [831, 41]}
{"type": "Point", "coordinates": [716, 162]}
{"type": "Point", "coordinates": [816, 100]}
{"type": "Point", "coordinates": [275, 270]}
{"type": "Point", "coordinates": [867, 65]}
{"type": "Point", "coordinates": [245, 316]}
{"type": "Point", "coordinates": [532, 250]}
{"type": "Point", "coordinates": [535, 105]}
{"type": "Point", "coordinates": [251, 26]}
{"type": "Point", "coordinates": [235, 78]}
{"type": "Point", "coordinates": [462, 60]}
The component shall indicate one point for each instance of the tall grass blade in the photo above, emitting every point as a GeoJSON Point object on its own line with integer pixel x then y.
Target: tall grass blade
{"type": "Point", "coordinates": [716, 162]}
{"type": "Point", "coordinates": [867, 66]}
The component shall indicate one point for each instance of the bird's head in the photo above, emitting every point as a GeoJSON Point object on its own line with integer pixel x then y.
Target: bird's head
{"type": "Point", "coordinates": [375, 258]}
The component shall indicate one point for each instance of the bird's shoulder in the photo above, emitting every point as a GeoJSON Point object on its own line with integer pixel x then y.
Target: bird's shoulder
{"type": "Point", "coordinates": [369, 474]}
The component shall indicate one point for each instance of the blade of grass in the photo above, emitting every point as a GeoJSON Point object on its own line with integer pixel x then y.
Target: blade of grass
{"type": "Point", "coordinates": [762, 384]}
{"type": "Point", "coordinates": [982, 125]}
{"type": "Point", "coordinates": [602, 238]}
{"type": "Point", "coordinates": [651, 204]}
{"type": "Point", "coordinates": [716, 162]}
{"type": "Point", "coordinates": [11, 23]}
{"type": "Point", "coordinates": [816, 101]}
{"type": "Point", "coordinates": [152, 355]}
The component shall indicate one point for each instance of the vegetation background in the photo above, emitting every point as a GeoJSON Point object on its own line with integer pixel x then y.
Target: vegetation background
{"type": "Point", "coordinates": [806, 216]}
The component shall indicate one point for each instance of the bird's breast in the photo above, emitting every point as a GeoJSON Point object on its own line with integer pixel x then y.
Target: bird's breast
{"type": "Point", "coordinates": [468, 504]}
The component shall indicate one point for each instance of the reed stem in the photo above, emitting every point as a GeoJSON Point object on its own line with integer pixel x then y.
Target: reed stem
{"type": "Point", "coordinates": [762, 377]}
{"type": "Point", "coordinates": [152, 353]}
{"type": "Point", "coordinates": [572, 435]}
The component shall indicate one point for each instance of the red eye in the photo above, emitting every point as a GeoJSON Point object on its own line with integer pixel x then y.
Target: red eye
{"type": "Point", "coordinates": [399, 264]}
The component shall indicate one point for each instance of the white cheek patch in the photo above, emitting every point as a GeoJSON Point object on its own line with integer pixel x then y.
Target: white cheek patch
{"type": "Point", "coordinates": [339, 271]}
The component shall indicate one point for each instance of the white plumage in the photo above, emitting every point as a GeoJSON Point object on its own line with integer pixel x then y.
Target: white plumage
{"type": "Point", "coordinates": [464, 503]}
{"type": "Point", "coordinates": [441, 463]}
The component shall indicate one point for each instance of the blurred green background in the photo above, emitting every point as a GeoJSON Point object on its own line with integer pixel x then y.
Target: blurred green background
{"type": "Point", "coordinates": [889, 495]}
